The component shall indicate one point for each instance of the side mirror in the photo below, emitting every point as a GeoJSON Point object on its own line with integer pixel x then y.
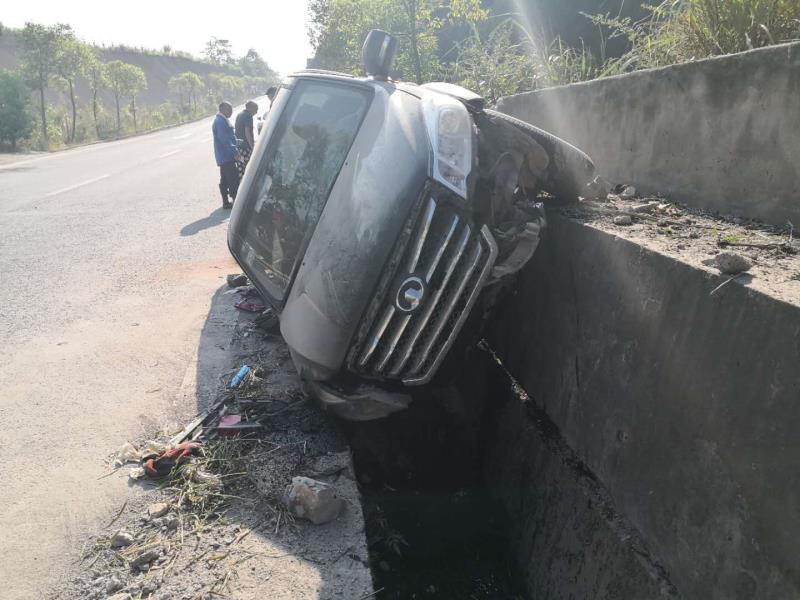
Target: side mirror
{"type": "Point", "coordinates": [378, 54]}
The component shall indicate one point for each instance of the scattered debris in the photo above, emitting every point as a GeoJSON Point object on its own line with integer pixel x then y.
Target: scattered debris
{"type": "Point", "coordinates": [731, 263]}
{"type": "Point", "coordinates": [250, 305]}
{"type": "Point", "coordinates": [267, 320]}
{"type": "Point", "coordinates": [313, 500]}
{"type": "Point", "coordinates": [693, 235]}
{"type": "Point", "coordinates": [163, 464]}
{"type": "Point", "coordinates": [628, 192]}
{"type": "Point", "coordinates": [647, 207]}
{"type": "Point", "coordinates": [237, 280]}
{"type": "Point", "coordinates": [121, 539]}
{"type": "Point", "coordinates": [114, 584]}
{"type": "Point", "coordinates": [246, 447]}
{"type": "Point", "coordinates": [239, 377]}
{"type": "Point", "coordinates": [157, 510]}
{"type": "Point", "coordinates": [127, 453]}
{"type": "Point", "coordinates": [142, 562]}
{"type": "Point", "coordinates": [623, 220]}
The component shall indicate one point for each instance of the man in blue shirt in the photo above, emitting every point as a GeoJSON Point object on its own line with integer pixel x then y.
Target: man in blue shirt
{"type": "Point", "coordinates": [225, 152]}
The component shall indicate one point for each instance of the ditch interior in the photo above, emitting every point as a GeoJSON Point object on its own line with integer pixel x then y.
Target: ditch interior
{"type": "Point", "coordinates": [434, 528]}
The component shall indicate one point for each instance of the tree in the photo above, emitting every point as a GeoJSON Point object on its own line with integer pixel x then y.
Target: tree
{"type": "Point", "coordinates": [252, 65]}
{"type": "Point", "coordinates": [15, 120]}
{"type": "Point", "coordinates": [96, 75]}
{"type": "Point", "coordinates": [40, 45]}
{"type": "Point", "coordinates": [225, 87]}
{"type": "Point", "coordinates": [125, 80]}
{"type": "Point", "coordinates": [337, 29]}
{"type": "Point", "coordinates": [73, 57]}
{"type": "Point", "coordinates": [187, 86]}
{"type": "Point", "coordinates": [218, 51]}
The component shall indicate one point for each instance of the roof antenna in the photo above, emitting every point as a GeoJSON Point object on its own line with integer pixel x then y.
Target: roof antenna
{"type": "Point", "coordinates": [378, 54]}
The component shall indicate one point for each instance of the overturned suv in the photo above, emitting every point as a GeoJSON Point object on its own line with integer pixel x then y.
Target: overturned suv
{"type": "Point", "coordinates": [374, 215]}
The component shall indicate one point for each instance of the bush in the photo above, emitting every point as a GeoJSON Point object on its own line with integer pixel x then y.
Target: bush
{"type": "Point", "coordinates": [676, 32]}
{"type": "Point", "coordinates": [16, 121]}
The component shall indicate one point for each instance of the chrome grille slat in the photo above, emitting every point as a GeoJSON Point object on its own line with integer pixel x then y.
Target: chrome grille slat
{"type": "Point", "coordinates": [454, 259]}
{"type": "Point", "coordinates": [445, 316]}
{"type": "Point", "coordinates": [426, 226]}
{"type": "Point", "coordinates": [376, 337]}
{"type": "Point", "coordinates": [441, 250]}
{"type": "Point", "coordinates": [390, 348]}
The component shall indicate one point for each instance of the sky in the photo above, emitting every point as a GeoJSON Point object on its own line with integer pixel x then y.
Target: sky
{"type": "Point", "coordinates": [275, 28]}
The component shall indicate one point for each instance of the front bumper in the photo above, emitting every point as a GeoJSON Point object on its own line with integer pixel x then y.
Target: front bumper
{"type": "Point", "coordinates": [365, 403]}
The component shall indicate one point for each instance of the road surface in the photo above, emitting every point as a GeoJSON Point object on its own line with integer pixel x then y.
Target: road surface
{"type": "Point", "coordinates": [109, 257]}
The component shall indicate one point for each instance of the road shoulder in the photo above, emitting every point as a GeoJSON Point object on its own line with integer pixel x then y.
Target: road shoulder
{"type": "Point", "coordinates": [238, 539]}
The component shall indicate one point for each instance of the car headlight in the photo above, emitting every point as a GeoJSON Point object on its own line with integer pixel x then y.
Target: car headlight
{"type": "Point", "coordinates": [450, 131]}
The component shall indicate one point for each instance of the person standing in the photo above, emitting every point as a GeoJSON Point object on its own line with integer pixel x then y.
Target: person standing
{"type": "Point", "coordinates": [225, 153]}
{"type": "Point", "coordinates": [245, 134]}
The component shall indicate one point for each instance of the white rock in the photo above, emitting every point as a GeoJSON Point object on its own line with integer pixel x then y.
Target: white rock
{"type": "Point", "coordinates": [623, 220]}
{"type": "Point", "coordinates": [313, 500]}
{"type": "Point", "coordinates": [731, 263]}
{"type": "Point", "coordinates": [159, 509]}
{"type": "Point", "coordinates": [120, 539]}
{"type": "Point", "coordinates": [628, 192]}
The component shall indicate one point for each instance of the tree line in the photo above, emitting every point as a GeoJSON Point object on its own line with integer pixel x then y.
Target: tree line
{"type": "Point", "coordinates": [489, 47]}
{"type": "Point", "coordinates": [52, 61]}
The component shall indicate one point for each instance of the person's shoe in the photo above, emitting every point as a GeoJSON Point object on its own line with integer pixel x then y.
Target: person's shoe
{"type": "Point", "coordinates": [227, 205]}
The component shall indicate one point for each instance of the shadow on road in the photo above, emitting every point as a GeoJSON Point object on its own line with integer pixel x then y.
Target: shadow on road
{"type": "Point", "coordinates": [217, 217]}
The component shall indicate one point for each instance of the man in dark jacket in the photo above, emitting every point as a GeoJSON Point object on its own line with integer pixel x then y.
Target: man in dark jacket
{"type": "Point", "coordinates": [225, 152]}
{"type": "Point", "coordinates": [245, 135]}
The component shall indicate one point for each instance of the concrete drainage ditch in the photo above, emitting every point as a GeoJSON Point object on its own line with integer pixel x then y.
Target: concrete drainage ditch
{"type": "Point", "coordinates": [472, 493]}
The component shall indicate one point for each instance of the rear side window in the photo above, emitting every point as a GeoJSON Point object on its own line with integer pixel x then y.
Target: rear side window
{"type": "Point", "coordinates": [294, 179]}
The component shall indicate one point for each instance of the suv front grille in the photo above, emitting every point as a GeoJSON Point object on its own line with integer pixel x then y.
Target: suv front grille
{"type": "Point", "coordinates": [445, 263]}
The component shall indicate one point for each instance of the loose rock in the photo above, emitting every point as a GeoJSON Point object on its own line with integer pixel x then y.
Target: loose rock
{"type": "Point", "coordinates": [731, 263]}
{"type": "Point", "coordinates": [114, 584]}
{"type": "Point", "coordinates": [236, 280]}
{"type": "Point", "coordinates": [313, 500]}
{"type": "Point", "coordinates": [150, 587]}
{"type": "Point", "coordinates": [623, 220]}
{"type": "Point", "coordinates": [159, 509]}
{"type": "Point", "coordinates": [644, 208]}
{"type": "Point", "coordinates": [142, 562]}
{"type": "Point", "coordinates": [628, 192]}
{"type": "Point", "coordinates": [120, 539]}
{"type": "Point", "coordinates": [120, 596]}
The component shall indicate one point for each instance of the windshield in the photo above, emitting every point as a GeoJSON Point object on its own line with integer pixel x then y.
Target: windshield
{"type": "Point", "coordinates": [295, 176]}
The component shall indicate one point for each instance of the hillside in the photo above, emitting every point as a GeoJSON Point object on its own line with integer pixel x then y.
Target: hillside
{"type": "Point", "coordinates": [158, 69]}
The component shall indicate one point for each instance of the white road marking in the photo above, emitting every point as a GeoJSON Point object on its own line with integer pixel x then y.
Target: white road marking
{"type": "Point", "coordinates": [77, 185]}
{"type": "Point", "coordinates": [165, 155]}
{"type": "Point", "coordinates": [181, 137]}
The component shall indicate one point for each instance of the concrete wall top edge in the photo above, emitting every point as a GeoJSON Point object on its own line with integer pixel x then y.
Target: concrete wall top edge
{"type": "Point", "coordinates": [790, 50]}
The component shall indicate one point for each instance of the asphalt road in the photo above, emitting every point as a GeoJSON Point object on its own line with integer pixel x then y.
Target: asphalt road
{"type": "Point", "coordinates": [109, 257]}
